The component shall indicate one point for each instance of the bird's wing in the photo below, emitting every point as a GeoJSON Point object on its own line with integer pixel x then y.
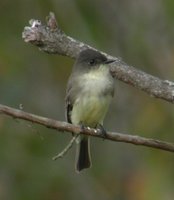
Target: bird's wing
{"type": "Point", "coordinates": [70, 98]}
{"type": "Point", "coordinates": [69, 107]}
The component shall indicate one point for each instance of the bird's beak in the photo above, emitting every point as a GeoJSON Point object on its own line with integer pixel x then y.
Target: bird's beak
{"type": "Point", "coordinates": [108, 61]}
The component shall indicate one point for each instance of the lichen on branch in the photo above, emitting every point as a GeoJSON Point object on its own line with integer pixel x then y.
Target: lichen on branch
{"type": "Point", "coordinates": [51, 39]}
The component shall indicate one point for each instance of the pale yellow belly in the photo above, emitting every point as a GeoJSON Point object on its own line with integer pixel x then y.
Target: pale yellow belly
{"type": "Point", "coordinates": [90, 110]}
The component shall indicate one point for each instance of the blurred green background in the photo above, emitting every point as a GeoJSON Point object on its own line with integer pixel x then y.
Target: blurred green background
{"type": "Point", "coordinates": [142, 34]}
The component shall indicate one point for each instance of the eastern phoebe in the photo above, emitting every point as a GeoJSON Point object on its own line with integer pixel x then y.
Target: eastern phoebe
{"type": "Point", "coordinates": [89, 92]}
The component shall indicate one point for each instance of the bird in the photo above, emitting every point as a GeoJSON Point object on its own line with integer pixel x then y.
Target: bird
{"type": "Point", "coordinates": [90, 89]}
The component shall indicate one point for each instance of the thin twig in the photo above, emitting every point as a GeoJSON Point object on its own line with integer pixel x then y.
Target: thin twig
{"type": "Point", "coordinates": [63, 126]}
{"type": "Point", "coordinates": [66, 149]}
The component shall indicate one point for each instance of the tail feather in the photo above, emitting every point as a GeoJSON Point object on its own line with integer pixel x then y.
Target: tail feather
{"type": "Point", "coordinates": [83, 154]}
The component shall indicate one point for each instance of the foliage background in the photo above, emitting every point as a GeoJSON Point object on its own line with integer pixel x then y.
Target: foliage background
{"type": "Point", "coordinates": [141, 32]}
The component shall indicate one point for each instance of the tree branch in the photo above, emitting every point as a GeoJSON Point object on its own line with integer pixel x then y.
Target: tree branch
{"type": "Point", "coordinates": [63, 126]}
{"type": "Point", "coordinates": [51, 39]}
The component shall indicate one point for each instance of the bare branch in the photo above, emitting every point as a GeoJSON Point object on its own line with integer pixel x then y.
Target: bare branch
{"type": "Point", "coordinates": [51, 39]}
{"type": "Point", "coordinates": [63, 126]}
{"type": "Point", "coordinates": [67, 148]}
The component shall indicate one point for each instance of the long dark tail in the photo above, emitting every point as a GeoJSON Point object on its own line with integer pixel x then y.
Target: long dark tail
{"type": "Point", "coordinates": [83, 159]}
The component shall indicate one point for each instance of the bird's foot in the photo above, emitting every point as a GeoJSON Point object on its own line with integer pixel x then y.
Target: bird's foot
{"type": "Point", "coordinates": [102, 130]}
{"type": "Point", "coordinates": [83, 127]}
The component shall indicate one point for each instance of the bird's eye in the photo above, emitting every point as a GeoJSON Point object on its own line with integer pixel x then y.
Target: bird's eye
{"type": "Point", "coordinates": [91, 62]}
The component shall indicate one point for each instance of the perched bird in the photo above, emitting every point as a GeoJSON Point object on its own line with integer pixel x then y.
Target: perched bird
{"type": "Point", "coordinates": [89, 91]}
